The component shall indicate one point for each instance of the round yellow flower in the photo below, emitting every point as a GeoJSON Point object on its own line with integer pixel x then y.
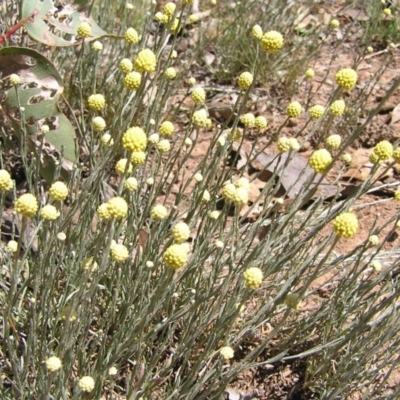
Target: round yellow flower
{"type": "Point", "coordinates": [154, 138]}
{"type": "Point", "coordinates": [176, 255]}
{"type": "Point", "coordinates": [260, 122]}
{"type": "Point", "coordinates": [6, 183]}
{"type": "Point", "coordinates": [346, 225]}
{"type": "Point", "coordinates": [131, 36]}
{"type": "Point", "coordinates": [346, 158]}
{"type": "Point", "coordinates": [45, 129]}
{"type": "Point", "coordinates": [98, 124]}
{"type": "Point", "coordinates": [376, 266]}
{"type": "Point", "coordinates": [316, 112]}
{"type": "Point", "coordinates": [170, 73]}
{"type": "Point", "coordinates": [245, 80]}
{"type": "Point", "coordinates": [49, 212]}
{"type": "Point", "coordinates": [121, 168]}
{"type": "Point", "coordinates": [89, 264]}
{"type": "Point", "coordinates": [237, 195]}
{"type": "Point", "coordinates": [283, 144]}
{"type": "Point", "coordinates": [117, 207]}
{"type": "Point", "coordinates": [337, 108]}
{"type": "Point", "coordinates": [257, 32]}
{"type": "Point", "coordinates": [253, 277]}
{"type": "Point", "coordinates": [86, 384]}
{"type": "Point", "coordinates": [84, 30]}
{"type": "Point", "coordinates": [370, 49]}
{"type": "Point", "coordinates": [214, 214]}
{"type": "Point", "coordinates": [181, 232]}
{"type": "Point", "coordinates": [138, 158]}
{"type": "Point", "coordinates": [198, 95]}
{"type": "Point", "coordinates": [310, 73]}
{"type": "Point", "coordinates": [97, 46]}
{"type": "Point", "coordinates": [58, 191]}
{"type": "Point", "coordinates": [174, 26]}
{"type": "Point", "coordinates": [199, 118]}
{"type": "Point", "coordinates": [248, 120]}
{"type": "Point", "coordinates": [293, 301]}
{"type": "Point", "coordinates": [346, 78]}
{"type": "Point", "coordinates": [119, 252]}
{"type": "Point", "coordinates": [103, 211]}
{"type": "Point", "coordinates": [387, 11]}
{"type": "Point", "coordinates": [205, 198]}
{"type": "Point", "coordinates": [53, 364]}
{"type": "Point", "coordinates": [96, 102]}
{"type": "Point", "coordinates": [396, 155]}
{"type": "Point", "coordinates": [294, 144]}
{"type": "Point", "coordinates": [107, 140]}
{"type": "Point", "coordinates": [192, 81]}
{"type": "Point", "coordinates": [293, 110]}
{"type": "Point", "coordinates": [383, 150]}
{"type": "Point", "coordinates": [26, 205]}
{"type": "Point", "coordinates": [12, 246]}
{"type": "Point", "coordinates": [243, 183]}
{"type": "Point", "coordinates": [159, 212]}
{"type": "Point", "coordinates": [334, 141]}
{"type": "Point", "coordinates": [134, 139]}
{"type": "Point", "coordinates": [334, 24]}
{"type": "Point", "coordinates": [166, 128]}
{"type": "Point", "coordinates": [112, 371]}
{"type": "Point", "coordinates": [272, 41]}
{"type": "Point", "coordinates": [226, 352]}
{"type": "Point", "coordinates": [126, 65]}
{"type": "Point", "coordinates": [234, 134]}
{"type": "Point", "coordinates": [131, 184]}
{"type": "Point", "coordinates": [164, 145]}
{"type": "Point", "coordinates": [373, 240]}
{"type": "Point", "coordinates": [133, 80]}
{"type": "Point", "coordinates": [242, 196]}
{"type": "Point", "coordinates": [14, 79]}
{"type": "Point", "coordinates": [169, 9]}
{"type": "Point", "coordinates": [320, 160]}
{"type": "Point", "coordinates": [146, 61]}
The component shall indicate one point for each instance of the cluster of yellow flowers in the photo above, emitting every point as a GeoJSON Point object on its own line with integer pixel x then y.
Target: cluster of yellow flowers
{"type": "Point", "coordinates": [237, 193]}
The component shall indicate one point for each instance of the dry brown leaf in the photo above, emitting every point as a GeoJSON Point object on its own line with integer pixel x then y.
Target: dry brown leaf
{"type": "Point", "coordinates": [395, 115]}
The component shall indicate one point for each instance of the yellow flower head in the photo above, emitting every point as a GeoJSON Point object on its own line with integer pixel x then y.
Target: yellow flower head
{"type": "Point", "coordinates": [6, 183]}
{"type": "Point", "coordinates": [310, 73]}
{"type": "Point", "coordinates": [14, 79]}
{"type": "Point", "coordinates": [237, 195]}
{"type": "Point", "coordinates": [253, 277]}
{"type": "Point", "coordinates": [119, 252]}
{"type": "Point", "coordinates": [243, 183]}
{"type": "Point", "coordinates": [159, 212]}
{"type": "Point", "coordinates": [257, 32]}
{"type": "Point", "coordinates": [131, 36]}
{"type": "Point", "coordinates": [260, 122]}
{"type": "Point", "coordinates": [245, 80]}
{"type": "Point", "coordinates": [234, 134]}
{"type": "Point", "coordinates": [397, 195]}
{"type": "Point", "coordinates": [200, 118]}
{"type": "Point", "coordinates": [198, 95]}
{"type": "Point", "coordinates": [383, 150]}
{"type": "Point", "coordinates": [84, 30]}
{"type": "Point", "coordinates": [96, 102]}
{"type": "Point", "coordinates": [26, 205]}
{"type": "Point", "coordinates": [107, 140]}
{"type": "Point", "coordinates": [206, 197]}
{"type": "Point", "coordinates": [337, 108]}
{"type": "Point", "coordinates": [126, 65]}
{"type": "Point", "coordinates": [86, 384]}
{"type": "Point", "coordinates": [169, 9]}
{"type": "Point", "coordinates": [334, 141]}
{"type": "Point", "coordinates": [131, 184]}
{"type": "Point", "coordinates": [49, 212]}
{"type": "Point", "coordinates": [346, 78]}
{"type": "Point", "coordinates": [53, 364]}
{"type": "Point", "coordinates": [283, 144]}
{"type": "Point", "coordinates": [166, 128]}
{"type": "Point", "coordinates": [346, 225]}
{"type": "Point", "coordinates": [320, 160]}
{"type": "Point", "coordinates": [294, 144]}
{"type": "Point", "coordinates": [58, 191]}
{"type": "Point", "coordinates": [146, 61]}
{"type": "Point", "coordinates": [272, 41]}
{"type": "Point", "coordinates": [226, 352]}
{"type": "Point", "coordinates": [134, 139]}
{"type": "Point", "coordinates": [117, 207]}
{"type": "Point", "coordinates": [396, 155]}
{"type": "Point", "coordinates": [103, 211]}
{"type": "Point", "coordinates": [170, 73]}
{"type": "Point", "coordinates": [133, 80]}
{"type": "Point", "coordinates": [12, 246]}
{"type": "Point", "coordinates": [89, 264]}
{"type": "Point", "coordinates": [138, 158]}
{"type": "Point", "coordinates": [373, 240]}
{"type": "Point", "coordinates": [334, 24]}
{"type": "Point", "coordinates": [176, 255]}
{"type": "Point", "coordinates": [122, 168]}
{"type": "Point", "coordinates": [98, 124]}
{"type": "Point", "coordinates": [316, 112]}
{"type": "Point", "coordinates": [387, 11]}
{"type": "Point", "coordinates": [97, 46]}
{"type": "Point", "coordinates": [293, 110]}
{"type": "Point", "coordinates": [181, 232]}
{"type": "Point", "coordinates": [376, 266]}
{"type": "Point", "coordinates": [346, 158]}
{"type": "Point", "coordinates": [248, 120]}
{"type": "Point", "coordinates": [164, 145]}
